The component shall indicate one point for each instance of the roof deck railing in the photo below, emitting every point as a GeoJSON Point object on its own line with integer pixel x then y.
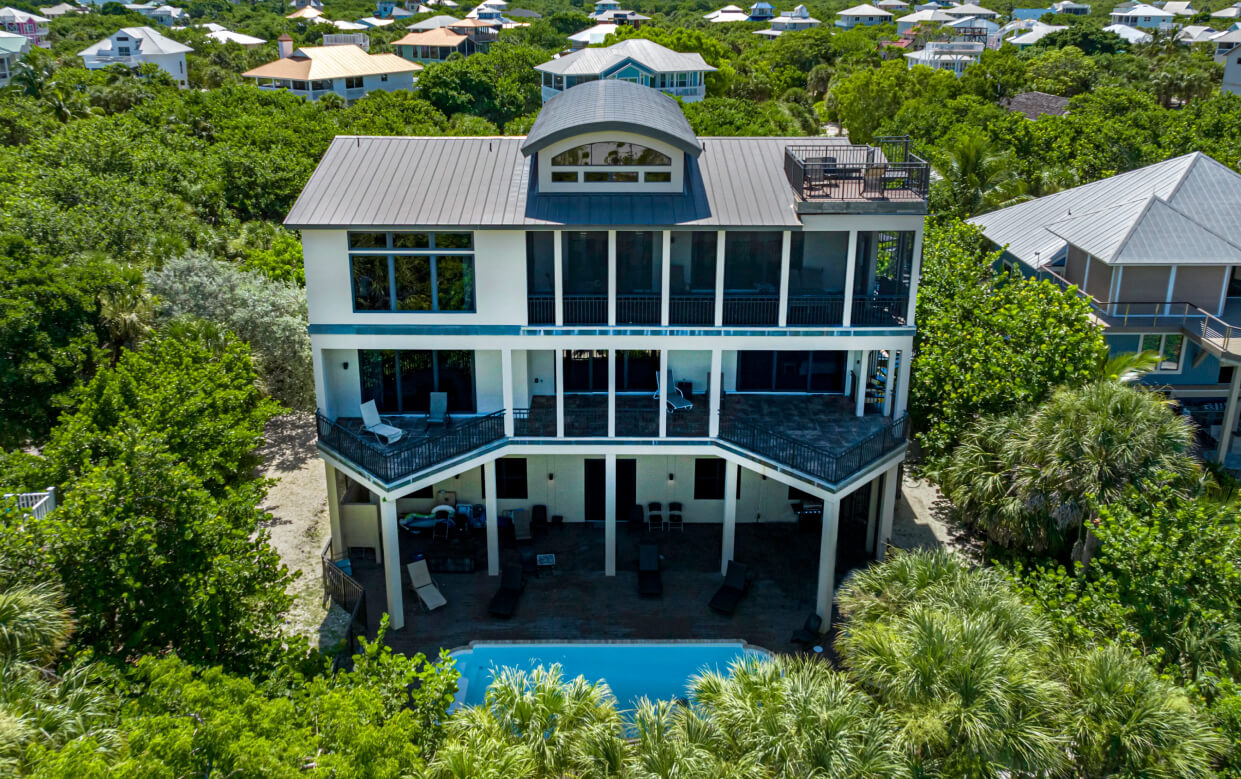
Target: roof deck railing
{"type": "Point", "coordinates": [1195, 322]}
{"type": "Point", "coordinates": [887, 170]}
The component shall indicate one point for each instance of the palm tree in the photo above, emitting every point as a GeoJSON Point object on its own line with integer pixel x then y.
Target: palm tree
{"type": "Point", "coordinates": [29, 79]}
{"type": "Point", "coordinates": [126, 312]}
{"type": "Point", "coordinates": [958, 661]}
{"type": "Point", "coordinates": [976, 171]}
{"type": "Point", "coordinates": [65, 104]}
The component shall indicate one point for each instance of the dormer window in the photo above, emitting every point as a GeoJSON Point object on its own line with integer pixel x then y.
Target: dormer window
{"type": "Point", "coordinates": [618, 162]}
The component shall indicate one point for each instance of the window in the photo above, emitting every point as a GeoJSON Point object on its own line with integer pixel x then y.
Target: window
{"type": "Point", "coordinates": [440, 278]}
{"type": "Point", "coordinates": [1225, 374]}
{"type": "Point", "coordinates": [511, 478]}
{"type": "Point", "coordinates": [1169, 348]}
{"type": "Point", "coordinates": [611, 153]}
{"type": "Point", "coordinates": [353, 82]}
{"type": "Point", "coordinates": [401, 382]}
{"type": "Point", "coordinates": [657, 176]}
{"type": "Point", "coordinates": [793, 371]}
{"type": "Point", "coordinates": [383, 76]}
{"type": "Point", "coordinates": [709, 478]}
{"type": "Point", "coordinates": [569, 176]}
{"type": "Point", "coordinates": [602, 175]}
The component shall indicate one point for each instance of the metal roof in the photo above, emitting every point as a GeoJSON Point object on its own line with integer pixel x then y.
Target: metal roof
{"type": "Point", "coordinates": [610, 104]}
{"type": "Point", "coordinates": [433, 23]}
{"type": "Point", "coordinates": [148, 42]}
{"type": "Point", "coordinates": [1116, 218]}
{"type": "Point", "coordinates": [594, 62]}
{"type": "Point", "coordinates": [394, 183]}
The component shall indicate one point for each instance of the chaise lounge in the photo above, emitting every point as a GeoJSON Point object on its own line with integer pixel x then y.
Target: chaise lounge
{"type": "Point", "coordinates": [374, 424]}
{"type": "Point", "coordinates": [728, 596]}
{"type": "Point", "coordinates": [428, 592]}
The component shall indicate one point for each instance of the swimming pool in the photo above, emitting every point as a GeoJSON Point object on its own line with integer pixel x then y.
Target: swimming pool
{"type": "Point", "coordinates": [656, 669]}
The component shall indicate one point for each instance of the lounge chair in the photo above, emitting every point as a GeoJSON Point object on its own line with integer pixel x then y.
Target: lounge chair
{"type": "Point", "coordinates": [809, 634]}
{"type": "Point", "coordinates": [512, 582]}
{"type": "Point", "coordinates": [676, 399]}
{"type": "Point", "coordinates": [730, 594]}
{"type": "Point", "coordinates": [650, 582]}
{"type": "Point", "coordinates": [374, 424]}
{"type": "Point", "coordinates": [438, 415]}
{"type": "Point", "coordinates": [424, 585]}
{"type": "Point", "coordinates": [522, 530]}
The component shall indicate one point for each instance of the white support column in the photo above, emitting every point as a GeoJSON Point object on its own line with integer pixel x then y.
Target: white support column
{"type": "Point", "coordinates": [559, 359]}
{"type": "Point", "coordinates": [316, 362]}
{"type": "Point", "coordinates": [558, 272]}
{"type": "Point", "coordinates": [665, 278]}
{"type": "Point", "coordinates": [1167, 309]}
{"type": "Point", "coordinates": [663, 393]}
{"type": "Point", "coordinates": [887, 382]}
{"type": "Point", "coordinates": [609, 513]}
{"type": "Point", "coordinates": [716, 380]}
{"type": "Point", "coordinates": [825, 594]}
{"type": "Point", "coordinates": [786, 241]}
{"type": "Point", "coordinates": [915, 275]}
{"type": "Point", "coordinates": [506, 376]}
{"type": "Point", "coordinates": [902, 383]}
{"type": "Point", "coordinates": [719, 278]}
{"type": "Point", "coordinates": [872, 514]}
{"type": "Point", "coordinates": [611, 277]}
{"type": "Point", "coordinates": [886, 510]}
{"type": "Point", "coordinates": [1230, 416]}
{"type": "Point", "coordinates": [863, 374]}
{"type": "Point", "coordinates": [731, 474]}
{"type": "Point", "coordinates": [850, 270]}
{"type": "Point", "coordinates": [611, 393]}
{"type": "Point", "coordinates": [392, 562]}
{"type": "Point", "coordinates": [340, 549]}
{"type": "Point", "coordinates": [493, 518]}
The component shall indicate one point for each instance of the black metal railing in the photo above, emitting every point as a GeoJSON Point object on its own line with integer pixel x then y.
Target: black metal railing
{"type": "Point", "coordinates": [541, 309]}
{"type": "Point", "coordinates": [585, 309]}
{"type": "Point", "coordinates": [637, 309]}
{"type": "Point", "coordinates": [691, 309]}
{"type": "Point", "coordinates": [816, 310]}
{"type": "Point", "coordinates": [346, 592]}
{"type": "Point", "coordinates": [880, 310]}
{"type": "Point", "coordinates": [752, 309]}
{"type": "Point", "coordinates": [586, 422]}
{"type": "Point", "coordinates": [405, 458]}
{"type": "Point", "coordinates": [831, 466]}
{"type": "Point", "coordinates": [534, 423]}
{"type": "Point", "coordinates": [637, 422]}
{"type": "Point", "coordinates": [842, 171]}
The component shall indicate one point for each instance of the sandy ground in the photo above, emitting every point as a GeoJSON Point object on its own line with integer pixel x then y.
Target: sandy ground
{"type": "Point", "coordinates": [923, 519]}
{"type": "Point", "coordinates": [299, 528]}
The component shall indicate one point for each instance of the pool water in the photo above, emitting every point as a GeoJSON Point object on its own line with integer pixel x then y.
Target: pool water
{"type": "Point", "coordinates": [655, 669]}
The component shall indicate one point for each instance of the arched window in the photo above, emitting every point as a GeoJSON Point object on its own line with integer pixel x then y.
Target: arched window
{"type": "Point", "coordinates": [611, 153]}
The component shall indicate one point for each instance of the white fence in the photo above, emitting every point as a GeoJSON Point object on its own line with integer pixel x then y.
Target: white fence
{"type": "Point", "coordinates": [37, 504]}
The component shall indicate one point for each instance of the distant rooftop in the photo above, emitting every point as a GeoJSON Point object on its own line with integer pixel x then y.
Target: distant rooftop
{"type": "Point", "coordinates": [648, 53]}
{"type": "Point", "coordinates": [1036, 104]}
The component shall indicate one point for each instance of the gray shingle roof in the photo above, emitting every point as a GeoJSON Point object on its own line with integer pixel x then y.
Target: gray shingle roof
{"type": "Point", "coordinates": [1204, 191]}
{"type": "Point", "coordinates": [611, 105]}
{"type": "Point", "coordinates": [660, 59]}
{"type": "Point", "coordinates": [390, 183]}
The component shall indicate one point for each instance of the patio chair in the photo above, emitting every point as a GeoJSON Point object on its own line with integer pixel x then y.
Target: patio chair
{"type": "Point", "coordinates": [733, 590]}
{"type": "Point", "coordinates": [675, 506]}
{"type": "Point", "coordinates": [650, 581]}
{"type": "Point", "coordinates": [438, 415]}
{"type": "Point", "coordinates": [676, 399]}
{"type": "Point", "coordinates": [428, 592]}
{"type": "Point", "coordinates": [521, 526]}
{"type": "Point", "coordinates": [512, 582]}
{"type": "Point", "coordinates": [654, 521]}
{"type": "Point", "coordinates": [375, 425]}
{"type": "Point", "coordinates": [809, 634]}
{"type": "Point", "coordinates": [675, 522]}
{"type": "Point", "coordinates": [655, 506]}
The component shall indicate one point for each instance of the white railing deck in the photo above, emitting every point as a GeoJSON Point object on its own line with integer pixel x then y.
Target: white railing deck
{"type": "Point", "coordinates": [37, 504]}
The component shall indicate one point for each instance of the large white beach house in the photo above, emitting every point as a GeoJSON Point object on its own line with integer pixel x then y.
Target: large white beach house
{"type": "Point", "coordinates": [611, 323]}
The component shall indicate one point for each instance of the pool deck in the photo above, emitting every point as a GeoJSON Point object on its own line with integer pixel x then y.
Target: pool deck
{"type": "Point", "coordinates": [578, 602]}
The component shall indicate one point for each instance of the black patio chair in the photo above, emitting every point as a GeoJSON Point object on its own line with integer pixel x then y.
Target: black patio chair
{"type": "Point", "coordinates": [654, 521]}
{"type": "Point", "coordinates": [809, 634]}
{"type": "Point", "coordinates": [676, 522]}
{"type": "Point", "coordinates": [512, 582]}
{"type": "Point", "coordinates": [675, 507]}
{"type": "Point", "coordinates": [650, 581]}
{"type": "Point", "coordinates": [728, 596]}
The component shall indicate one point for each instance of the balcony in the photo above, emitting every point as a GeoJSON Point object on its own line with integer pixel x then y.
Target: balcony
{"type": "Point", "coordinates": [637, 308]}
{"type": "Point", "coordinates": [758, 309]}
{"type": "Point", "coordinates": [691, 309]}
{"type": "Point", "coordinates": [541, 309]}
{"type": "Point", "coordinates": [817, 309]}
{"type": "Point", "coordinates": [419, 449]}
{"type": "Point", "coordinates": [889, 171]}
{"type": "Point", "coordinates": [585, 309]}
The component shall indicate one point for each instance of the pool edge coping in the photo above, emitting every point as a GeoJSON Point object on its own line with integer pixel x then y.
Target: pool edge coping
{"type": "Point", "coordinates": [745, 645]}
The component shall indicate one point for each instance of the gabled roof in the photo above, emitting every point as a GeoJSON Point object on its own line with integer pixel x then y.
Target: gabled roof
{"type": "Point", "coordinates": [863, 10]}
{"type": "Point", "coordinates": [312, 63]}
{"type": "Point", "coordinates": [308, 12]}
{"type": "Point", "coordinates": [1179, 7]}
{"type": "Point", "coordinates": [12, 43]}
{"type": "Point", "coordinates": [1130, 34]}
{"type": "Point", "coordinates": [1195, 186]}
{"type": "Point", "coordinates": [660, 59]}
{"type": "Point", "coordinates": [1146, 231]}
{"type": "Point", "coordinates": [968, 9]}
{"type": "Point", "coordinates": [440, 36]}
{"type": "Point", "coordinates": [609, 104]}
{"type": "Point", "coordinates": [594, 34]}
{"type": "Point", "coordinates": [929, 15]}
{"type": "Point", "coordinates": [147, 41]}
{"type": "Point", "coordinates": [433, 23]}
{"type": "Point", "coordinates": [228, 36]}
{"type": "Point", "coordinates": [1141, 9]}
{"type": "Point", "coordinates": [1036, 34]}
{"type": "Point", "coordinates": [14, 15]}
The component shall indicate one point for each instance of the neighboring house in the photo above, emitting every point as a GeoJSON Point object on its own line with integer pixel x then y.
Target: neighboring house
{"type": "Point", "coordinates": [348, 27]}
{"type": "Point", "coordinates": [1156, 251]}
{"type": "Point", "coordinates": [1130, 34]}
{"type": "Point", "coordinates": [797, 19]}
{"type": "Point", "coordinates": [60, 10]}
{"type": "Point", "coordinates": [591, 36]}
{"type": "Point", "coordinates": [729, 13]}
{"type": "Point", "coordinates": [167, 15]}
{"type": "Point", "coordinates": [34, 28]}
{"type": "Point", "coordinates": [1071, 8]}
{"type": "Point", "coordinates": [1180, 7]}
{"type": "Point", "coordinates": [1142, 16]}
{"type": "Point", "coordinates": [637, 60]}
{"type": "Point", "coordinates": [953, 56]}
{"type": "Point", "coordinates": [762, 11]}
{"type": "Point", "coordinates": [359, 39]}
{"type": "Point", "coordinates": [1037, 32]}
{"type": "Point", "coordinates": [370, 22]}
{"type": "Point", "coordinates": [1030, 14]}
{"type": "Point", "coordinates": [228, 36]}
{"type": "Point", "coordinates": [432, 46]}
{"type": "Point", "coordinates": [433, 23]}
{"type": "Point", "coordinates": [306, 12]}
{"type": "Point", "coordinates": [862, 15]}
{"type": "Point", "coordinates": [1231, 12]}
{"type": "Point", "coordinates": [1191, 34]}
{"type": "Point", "coordinates": [135, 46]}
{"type": "Point", "coordinates": [348, 71]}
{"type": "Point", "coordinates": [930, 16]}
{"type": "Point", "coordinates": [970, 9]}
{"type": "Point", "coordinates": [895, 6]}
{"type": "Point", "coordinates": [1226, 43]}
{"type": "Point", "coordinates": [623, 17]}
{"type": "Point", "coordinates": [1232, 73]}
{"type": "Point", "coordinates": [559, 292]}
{"type": "Point", "coordinates": [12, 48]}
{"type": "Point", "coordinates": [1035, 104]}
{"type": "Point", "coordinates": [306, 4]}
{"type": "Point", "coordinates": [972, 29]}
{"type": "Point", "coordinates": [481, 32]}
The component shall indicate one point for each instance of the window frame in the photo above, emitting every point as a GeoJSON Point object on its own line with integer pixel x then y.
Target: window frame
{"type": "Point", "coordinates": [709, 486]}
{"type": "Point", "coordinates": [432, 252]}
{"type": "Point", "coordinates": [507, 482]}
{"type": "Point", "coordinates": [1164, 366]}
